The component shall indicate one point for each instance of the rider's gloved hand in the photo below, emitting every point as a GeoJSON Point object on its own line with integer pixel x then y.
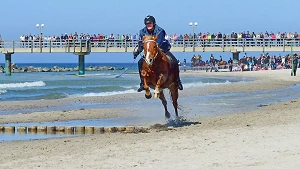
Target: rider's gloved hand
{"type": "Point", "coordinates": [136, 53]}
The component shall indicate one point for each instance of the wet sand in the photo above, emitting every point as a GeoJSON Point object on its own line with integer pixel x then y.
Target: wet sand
{"type": "Point", "coordinates": [264, 138]}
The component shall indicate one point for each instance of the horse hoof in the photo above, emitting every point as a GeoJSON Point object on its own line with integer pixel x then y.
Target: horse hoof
{"type": "Point", "coordinates": [156, 95]}
{"type": "Point", "coordinates": [167, 115]}
{"type": "Point", "coordinates": [148, 96]}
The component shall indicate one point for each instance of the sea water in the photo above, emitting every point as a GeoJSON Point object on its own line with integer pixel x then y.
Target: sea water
{"type": "Point", "coordinates": [57, 85]}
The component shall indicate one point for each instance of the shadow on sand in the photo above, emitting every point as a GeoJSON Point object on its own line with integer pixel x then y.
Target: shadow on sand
{"type": "Point", "coordinates": [175, 123]}
{"type": "Point", "coordinates": [181, 122]}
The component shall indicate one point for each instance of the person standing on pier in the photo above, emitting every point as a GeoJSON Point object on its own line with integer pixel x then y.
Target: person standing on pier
{"type": "Point", "coordinates": [151, 28]}
{"type": "Point", "coordinates": [0, 41]}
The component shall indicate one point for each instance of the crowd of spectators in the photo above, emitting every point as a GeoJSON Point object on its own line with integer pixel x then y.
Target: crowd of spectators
{"type": "Point", "coordinates": [265, 62]}
{"type": "Point", "coordinates": [171, 37]}
{"type": "Point", "coordinates": [246, 63]}
{"type": "Point", "coordinates": [251, 63]}
{"type": "Point", "coordinates": [198, 39]}
{"type": "Point", "coordinates": [201, 39]}
{"type": "Point", "coordinates": [76, 36]}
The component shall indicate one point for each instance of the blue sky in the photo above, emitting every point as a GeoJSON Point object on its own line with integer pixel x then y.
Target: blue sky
{"type": "Point", "coordinates": [120, 16]}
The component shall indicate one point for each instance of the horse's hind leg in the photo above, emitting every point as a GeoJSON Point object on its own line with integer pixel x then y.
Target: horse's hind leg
{"type": "Point", "coordinates": [164, 102]}
{"type": "Point", "coordinates": [174, 96]}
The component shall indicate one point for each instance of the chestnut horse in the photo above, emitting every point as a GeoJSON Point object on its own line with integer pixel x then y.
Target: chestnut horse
{"type": "Point", "coordinates": [158, 73]}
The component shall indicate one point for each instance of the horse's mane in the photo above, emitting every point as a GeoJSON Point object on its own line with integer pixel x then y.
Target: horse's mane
{"type": "Point", "coordinates": [148, 37]}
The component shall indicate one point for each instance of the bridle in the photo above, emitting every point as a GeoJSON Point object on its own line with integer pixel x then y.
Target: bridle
{"type": "Point", "coordinates": [158, 49]}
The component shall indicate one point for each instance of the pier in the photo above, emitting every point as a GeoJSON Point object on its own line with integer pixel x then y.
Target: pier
{"type": "Point", "coordinates": [81, 48]}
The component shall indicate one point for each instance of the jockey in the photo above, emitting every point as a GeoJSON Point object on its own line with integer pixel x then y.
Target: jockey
{"type": "Point", "coordinates": [151, 28]}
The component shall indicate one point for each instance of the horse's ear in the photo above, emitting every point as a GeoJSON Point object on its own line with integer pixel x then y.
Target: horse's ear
{"type": "Point", "coordinates": [144, 37]}
{"type": "Point", "coordinates": [155, 37]}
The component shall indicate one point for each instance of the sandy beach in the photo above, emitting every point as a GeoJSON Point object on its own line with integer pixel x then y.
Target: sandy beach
{"type": "Point", "coordinates": [264, 138]}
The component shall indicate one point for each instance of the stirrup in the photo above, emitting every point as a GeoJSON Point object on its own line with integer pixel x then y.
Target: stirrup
{"type": "Point", "coordinates": [180, 87]}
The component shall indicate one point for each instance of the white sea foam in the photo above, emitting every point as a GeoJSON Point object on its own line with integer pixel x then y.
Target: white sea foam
{"type": "Point", "coordinates": [130, 87]}
{"type": "Point", "coordinates": [200, 84]}
{"type": "Point", "coordinates": [103, 75]}
{"type": "Point", "coordinates": [130, 90]}
{"type": "Point", "coordinates": [22, 85]}
{"type": "Point", "coordinates": [2, 91]}
{"type": "Point", "coordinates": [100, 74]}
{"type": "Point", "coordinates": [187, 85]}
{"type": "Point", "coordinates": [109, 93]}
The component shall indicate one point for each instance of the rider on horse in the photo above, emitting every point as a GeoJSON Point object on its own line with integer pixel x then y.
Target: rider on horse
{"type": "Point", "coordinates": [153, 29]}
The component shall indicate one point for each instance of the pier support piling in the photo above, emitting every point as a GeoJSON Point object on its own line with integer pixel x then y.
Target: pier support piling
{"type": "Point", "coordinates": [235, 58]}
{"type": "Point", "coordinates": [81, 66]}
{"type": "Point", "coordinates": [8, 63]}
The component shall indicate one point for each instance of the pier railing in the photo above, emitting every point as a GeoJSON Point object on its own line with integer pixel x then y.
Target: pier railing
{"type": "Point", "coordinates": [201, 45]}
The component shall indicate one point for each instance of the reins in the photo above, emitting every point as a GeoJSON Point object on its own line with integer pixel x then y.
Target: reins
{"type": "Point", "coordinates": [129, 66]}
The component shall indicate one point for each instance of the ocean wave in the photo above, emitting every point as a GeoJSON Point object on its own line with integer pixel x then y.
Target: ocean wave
{"type": "Point", "coordinates": [22, 85]}
{"type": "Point", "coordinates": [98, 74]}
{"type": "Point", "coordinates": [106, 93]}
{"type": "Point", "coordinates": [2, 91]}
{"type": "Point", "coordinates": [130, 87]}
{"type": "Point", "coordinates": [200, 84]}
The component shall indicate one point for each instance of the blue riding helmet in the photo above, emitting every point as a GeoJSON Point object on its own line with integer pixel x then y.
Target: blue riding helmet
{"type": "Point", "coordinates": [161, 41]}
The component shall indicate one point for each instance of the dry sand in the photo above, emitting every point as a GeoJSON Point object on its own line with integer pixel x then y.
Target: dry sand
{"type": "Point", "coordinates": [264, 138]}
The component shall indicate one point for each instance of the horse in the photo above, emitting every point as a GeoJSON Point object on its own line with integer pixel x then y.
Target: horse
{"type": "Point", "coordinates": [222, 63]}
{"type": "Point", "coordinates": [194, 61]}
{"type": "Point", "coordinates": [158, 73]}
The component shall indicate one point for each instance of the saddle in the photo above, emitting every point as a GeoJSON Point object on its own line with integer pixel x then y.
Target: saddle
{"type": "Point", "coordinates": [171, 58]}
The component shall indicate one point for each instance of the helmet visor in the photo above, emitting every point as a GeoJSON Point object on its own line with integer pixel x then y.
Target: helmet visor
{"type": "Point", "coordinates": [148, 22]}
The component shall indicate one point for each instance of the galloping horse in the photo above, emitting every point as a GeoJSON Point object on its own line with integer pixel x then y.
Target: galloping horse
{"type": "Point", "coordinates": [158, 73]}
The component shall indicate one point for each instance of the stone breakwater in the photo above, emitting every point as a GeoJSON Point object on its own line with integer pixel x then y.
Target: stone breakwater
{"type": "Point", "coordinates": [16, 69]}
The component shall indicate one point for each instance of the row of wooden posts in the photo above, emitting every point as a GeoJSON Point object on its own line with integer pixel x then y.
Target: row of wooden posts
{"type": "Point", "coordinates": [68, 129]}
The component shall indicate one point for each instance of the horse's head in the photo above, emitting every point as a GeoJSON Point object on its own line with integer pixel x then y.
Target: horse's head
{"type": "Point", "coordinates": [151, 48]}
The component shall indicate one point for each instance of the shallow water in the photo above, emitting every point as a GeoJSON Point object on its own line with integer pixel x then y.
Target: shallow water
{"type": "Point", "coordinates": [149, 112]}
{"type": "Point", "coordinates": [16, 136]}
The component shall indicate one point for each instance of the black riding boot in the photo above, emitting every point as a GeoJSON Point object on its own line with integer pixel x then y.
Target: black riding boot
{"type": "Point", "coordinates": [140, 64]}
{"type": "Point", "coordinates": [175, 64]}
{"type": "Point", "coordinates": [180, 87]}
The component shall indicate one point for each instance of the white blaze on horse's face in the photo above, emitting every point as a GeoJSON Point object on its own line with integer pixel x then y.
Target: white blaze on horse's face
{"type": "Point", "coordinates": [150, 51]}
{"type": "Point", "coordinates": [148, 54]}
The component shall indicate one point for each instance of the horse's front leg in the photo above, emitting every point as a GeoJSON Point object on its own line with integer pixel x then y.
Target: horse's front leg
{"type": "Point", "coordinates": [146, 87]}
{"type": "Point", "coordinates": [161, 80]}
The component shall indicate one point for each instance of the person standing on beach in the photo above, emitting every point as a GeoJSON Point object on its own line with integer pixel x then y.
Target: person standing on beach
{"type": "Point", "coordinates": [184, 65]}
{"type": "Point", "coordinates": [230, 64]}
{"type": "Point", "coordinates": [295, 64]}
